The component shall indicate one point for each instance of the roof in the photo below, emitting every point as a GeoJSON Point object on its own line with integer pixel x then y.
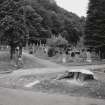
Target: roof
{"type": "Point", "coordinates": [84, 71]}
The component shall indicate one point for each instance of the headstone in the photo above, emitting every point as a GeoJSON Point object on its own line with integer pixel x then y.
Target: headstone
{"type": "Point", "coordinates": [64, 58]}
{"type": "Point", "coordinates": [88, 59]}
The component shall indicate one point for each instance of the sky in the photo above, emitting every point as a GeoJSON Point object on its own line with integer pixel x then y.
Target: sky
{"type": "Point", "coordinates": [76, 6]}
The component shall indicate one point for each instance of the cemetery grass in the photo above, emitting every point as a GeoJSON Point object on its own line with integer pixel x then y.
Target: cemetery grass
{"type": "Point", "coordinates": [30, 63]}
{"type": "Point", "coordinates": [7, 66]}
{"type": "Point", "coordinates": [92, 89]}
{"type": "Point", "coordinates": [70, 61]}
{"type": "Point", "coordinates": [49, 84]}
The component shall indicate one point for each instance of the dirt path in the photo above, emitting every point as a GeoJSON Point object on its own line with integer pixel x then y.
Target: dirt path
{"type": "Point", "coordinates": [49, 64]}
{"type": "Point", "coordinates": [21, 97]}
{"type": "Point", "coordinates": [46, 63]}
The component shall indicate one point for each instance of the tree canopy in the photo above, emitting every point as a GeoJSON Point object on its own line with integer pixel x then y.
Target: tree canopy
{"type": "Point", "coordinates": [95, 24]}
{"type": "Point", "coordinates": [11, 22]}
{"type": "Point", "coordinates": [20, 19]}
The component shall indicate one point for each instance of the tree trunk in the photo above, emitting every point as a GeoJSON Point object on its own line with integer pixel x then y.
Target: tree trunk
{"type": "Point", "coordinates": [20, 51]}
{"type": "Point", "coordinates": [11, 52]}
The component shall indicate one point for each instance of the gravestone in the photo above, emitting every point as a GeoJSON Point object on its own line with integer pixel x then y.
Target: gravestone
{"type": "Point", "coordinates": [88, 58]}
{"type": "Point", "coordinates": [64, 58]}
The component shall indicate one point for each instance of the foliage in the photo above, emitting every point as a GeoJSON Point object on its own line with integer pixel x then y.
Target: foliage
{"type": "Point", "coordinates": [17, 19]}
{"type": "Point", "coordinates": [55, 20]}
{"type": "Point", "coordinates": [11, 22]}
{"type": "Point", "coordinates": [57, 41]}
{"type": "Point", "coordinates": [95, 23]}
{"type": "Point", "coordinates": [38, 18]}
{"type": "Point", "coordinates": [51, 52]}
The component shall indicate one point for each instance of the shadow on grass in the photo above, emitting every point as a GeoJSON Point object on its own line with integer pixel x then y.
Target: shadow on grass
{"type": "Point", "coordinates": [5, 63]}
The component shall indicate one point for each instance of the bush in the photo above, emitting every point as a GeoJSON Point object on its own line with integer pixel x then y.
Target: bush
{"type": "Point", "coordinates": [51, 52]}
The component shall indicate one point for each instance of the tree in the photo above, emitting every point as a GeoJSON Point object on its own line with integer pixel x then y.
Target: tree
{"type": "Point", "coordinates": [95, 24]}
{"type": "Point", "coordinates": [12, 24]}
{"type": "Point", "coordinates": [71, 33]}
{"type": "Point", "coordinates": [17, 20]}
{"type": "Point", "coordinates": [55, 19]}
{"type": "Point", "coordinates": [25, 19]}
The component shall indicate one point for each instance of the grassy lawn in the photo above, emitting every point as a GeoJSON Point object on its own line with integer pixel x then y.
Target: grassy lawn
{"type": "Point", "coordinates": [93, 89]}
{"type": "Point", "coordinates": [48, 84]}
{"type": "Point", "coordinates": [7, 65]}
{"type": "Point", "coordinates": [70, 61]}
{"type": "Point", "coordinates": [31, 63]}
